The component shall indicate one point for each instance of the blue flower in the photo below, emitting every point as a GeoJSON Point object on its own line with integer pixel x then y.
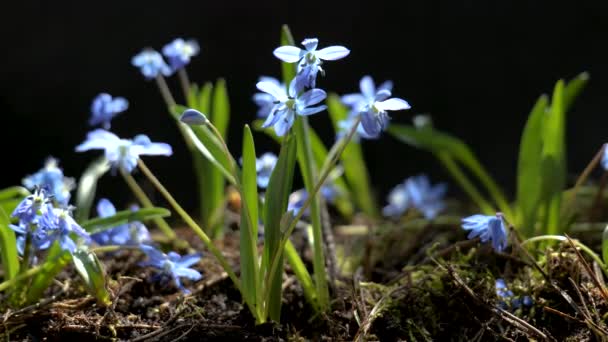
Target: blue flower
{"type": "Point", "coordinates": [123, 153]}
{"type": "Point", "coordinates": [287, 105]}
{"type": "Point", "coordinates": [193, 117]}
{"type": "Point", "coordinates": [104, 108]}
{"type": "Point", "coordinates": [179, 52]}
{"type": "Point", "coordinates": [298, 198]}
{"type": "Point", "coordinates": [266, 101]}
{"type": "Point", "coordinates": [373, 109]}
{"type": "Point", "coordinates": [502, 290]}
{"type": "Point", "coordinates": [58, 225]}
{"type": "Point", "coordinates": [28, 210]}
{"type": "Point", "coordinates": [310, 60]}
{"type": "Point", "coordinates": [51, 178]}
{"type": "Point", "coordinates": [416, 192]}
{"type": "Point", "coordinates": [487, 228]}
{"type": "Point", "coordinates": [134, 233]}
{"type": "Point", "coordinates": [172, 265]}
{"type": "Point", "coordinates": [151, 64]}
{"type": "Point", "coordinates": [398, 201]}
{"type": "Point", "coordinates": [264, 166]}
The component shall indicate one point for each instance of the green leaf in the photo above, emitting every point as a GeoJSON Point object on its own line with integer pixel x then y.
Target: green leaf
{"type": "Point", "coordinates": [13, 192]}
{"type": "Point", "coordinates": [91, 271]}
{"type": "Point", "coordinates": [8, 248]}
{"type": "Point", "coordinates": [554, 159]}
{"type": "Point", "coordinates": [87, 187]}
{"type": "Point", "coordinates": [289, 70]}
{"type": "Point", "coordinates": [355, 169]}
{"type": "Point", "coordinates": [249, 220]}
{"type": "Point", "coordinates": [529, 168]}
{"type": "Point", "coordinates": [299, 269]}
{"type": "Point", "coordinates": [573, 88]}
{"type": "Point", "coordinates": [605, 245]}
{"type": "Point", "coordinates": [438, 142]}
{"type": "Point", "coordinates": [55, 261]}
{"type": "Point", "coordinates": [275, 205]}
{"type": "Point", "coordinates": [220, 114]}
{"type": "Point", "coordinates": [99, 224]}
{"type": "Point", "coordinates": [309, 174]}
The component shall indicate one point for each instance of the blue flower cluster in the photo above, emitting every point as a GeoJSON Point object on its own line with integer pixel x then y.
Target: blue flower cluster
{"type": "Point", "coordinates": [43, 224]}
{"type": "Point", "coordinates": [105, 107]}
{"type": "Point", "coordinates": [172, 265]}
{"type": "Point", "coordinates": [134, 233]}
{"type": "Point", "coordinates": [51, 179]}
{"type": "Point", "coordinates": [179, 52]}
{"type": "Point", "coordinates": [416, 192]}
{"type": "Point", "coordinates": [487, 228]}
{"type": "Point", "coordinates": [506, 296]}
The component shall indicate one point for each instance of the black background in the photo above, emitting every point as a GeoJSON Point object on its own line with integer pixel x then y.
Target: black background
{"type": "Point", "coordinates": [476, 66]}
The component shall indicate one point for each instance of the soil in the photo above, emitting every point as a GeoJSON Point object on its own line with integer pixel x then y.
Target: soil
{"type": "Point", "coordinates": [403, 282]}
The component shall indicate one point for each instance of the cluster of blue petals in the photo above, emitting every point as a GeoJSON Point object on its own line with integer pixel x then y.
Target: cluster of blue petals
{"type": "Point", "coordinates": [416, 192]}
{"type": "Point", "coordinates": [488, 229]}
{"type": "Point", "coordinates": [51, 179]}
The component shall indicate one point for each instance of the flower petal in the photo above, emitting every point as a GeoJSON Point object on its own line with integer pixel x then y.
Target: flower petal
{"type": "Point", "coordinates": [284, 124]}
{"type": "Point", "coordinates": [393, 104]}
{"type": "Point", "coordinates": [271, 88]}
{"type": "Point", "coordinates": [310, 43]}
{"type": "Point", "coordinates": [332, 53]}
{"type": "Point", "coordinates": [188, 273]}
{"type": "Point", "coordinates": [312, 97]}
{"type": "Point", "coordinates": [193, 117]}
{"type": "Point", "coordinates": [312, 110]}
{"type": "Point", "coordinates": [105, 208]}
{"type": "Point", "coordinates": [367, 86]}
{"type": "Point", "coordinates": [288, 53]}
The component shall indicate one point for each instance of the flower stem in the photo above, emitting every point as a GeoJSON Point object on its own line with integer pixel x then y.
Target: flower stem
{"type": "Point", "coordinates": [196, 228]}
{"type": "Point", "coordinates": [184, 81]}
{"type": "Point", "coordinates": [29, 273]}
{"type": "Point", "coordinates": [165, 92]}
{"type": "Point", "coordinates": [145, 201]}
{"type": "Point", "coordinates": [583, 177]}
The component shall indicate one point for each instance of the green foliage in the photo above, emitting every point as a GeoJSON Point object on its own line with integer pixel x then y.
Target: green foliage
{"type": "Point", "coordinates": [55, 261]}
{"type": "Point", "coordinates": [275, 206]}
{"type": "Point", "coordinates": [100, 224]}
{"type": "Point", "coordinates": [8, 248]}
{"type": "Point", "coordinates": [249, 220]}
{"type": "Point", "coordinates": [87, 187]}
{"type": "Point", "coordinates": [91, 271]}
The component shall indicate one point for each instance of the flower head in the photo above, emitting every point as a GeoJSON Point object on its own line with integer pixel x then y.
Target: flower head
{"type": "Point", "coordinates": [179, 52]}
{"type": "Point", "coordinates": [151, 64]}
{"type": "Point", "coordinates": [123, 153]}
{"type": "Point", "coordinates": [416, 192]}
{"type": "Point", "coordinates": [288, 104]}
{"type": "Point", "coordinates": [298, 198]}
{"type": "Point", "coordinates": [29, 209]}
{"type": "Point", "coordinates": [172, 265]}
{"type": "Point", "coordinates": [193, 117]}
{"type": "Point", "coordinates": [310, 59]}
{"type": "Point", "coordinates": [487, 228]}
{"type": "Point", "coordinates": [373, 105]}
{"type": "Point", "coordinates": [51, 178]}
{"type": "Point", "coordinates": [57, 225]}
{"type": "Point", "coordinates": [134, 233]}
{"type": "Point", "coordinates": [105, 107]}
{"type": "Point", "coordinates": [265, 100]}
{"type": "Point", "coordinates": [264, 166]}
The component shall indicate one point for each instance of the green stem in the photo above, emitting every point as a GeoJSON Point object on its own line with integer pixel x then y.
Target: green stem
{"type": "Point", "coordinates": [332, 158]}
{"type": "Point", "coordinates": [195, 227]}
{"type": "Point", "coordinates": [583, 177]}
{"type": "Point", "coordinates": [29, 273]}
{"type": "Point", "coordinates": [165, 92]}
{"type": "Point", "coordinates": [184, 81]}
{"type": "Point", "coordinates": [145, 201]}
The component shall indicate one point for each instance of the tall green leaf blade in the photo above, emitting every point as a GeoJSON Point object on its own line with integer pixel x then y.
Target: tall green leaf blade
{"type": "Point", "coordinates": [554, 159]}
{"type": "Point", "coordinates": [87, 187]}
{"type": "Point", "coordinates": [221, 108]}
{"type": "Point", "coordinates": [249, 220]}
{"type": "Point", "coordinates": [529, 168]}
{"type": "Point", "coordinates": [289, 70]}
{"type": "Point", "coordinates": [92, 273]}
{"type": "Point", "coordinates": [573, 88]}
{"type": "Point", "coordinates": [275, 205]}
{"type": "Point", "coordinates": [355, 169]}
{"type": "Point", "coordinates": [13, 192]}
{"type": "Point", "coordinates": [8, 248]}
{"type": "Point", "coordinates": [55, 261]}
{"type": "Point", "coordinates": [99, 224]}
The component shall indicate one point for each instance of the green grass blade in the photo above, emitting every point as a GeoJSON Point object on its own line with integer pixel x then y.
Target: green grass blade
{"type": "Point", "coordinates": [605, 245]}
{"type": "Point", "coordinates": [99, 224]}
{"type": "Point", "coordinates": [55, 261]}
{"type": "Point", "coordinates": [8, 248]}
{"type": "Point", "coordinates": [529, 168]}
{"type": "Point", "coordinates": [13, 192]}
{"type": "Point", "coordinates": [573, 88]}
{"type": "Point", "coordinates": [288, 69]}
{"type": "Point", "coordinates": [299, 269]}
{"type": "Point", "coordinates": [355, 169]}
{"type": "Point", "coordinates": [436, 141]}
{"type": "Point", "coordinates": [309, 174]}
{"type": "Point", "coordinates": [220, 113]}
{"type": "Point", "coordinates": [249, 220]}
{"type": "Point", "coordinates": [275, 205]}
{"type": "Point", "coordinates": [554, 160]}
{"type": "Point", "coordinates": [91, 271]}
{"type": "Point", "coordinates": [87, 187]}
